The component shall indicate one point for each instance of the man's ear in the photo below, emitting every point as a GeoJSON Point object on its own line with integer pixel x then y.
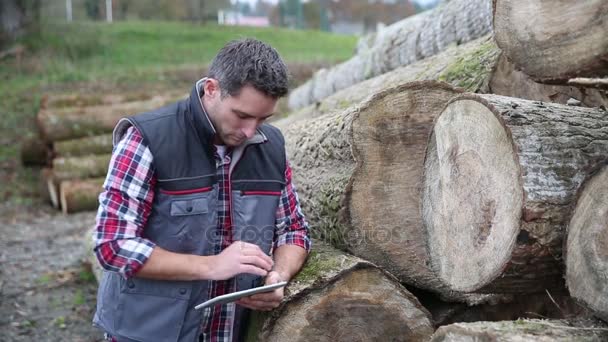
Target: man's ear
{"type": "Point", "coordinates": [211, 88]}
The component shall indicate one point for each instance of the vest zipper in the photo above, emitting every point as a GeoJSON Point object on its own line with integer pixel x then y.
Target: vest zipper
{"type": "Point", "coordinates": [186, 192]}
{"type": "Point", "coordinates": [260, 192]}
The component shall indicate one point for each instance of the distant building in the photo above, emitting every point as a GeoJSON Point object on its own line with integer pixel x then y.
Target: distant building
{"type": "Point", "coordinates": [233, 18]}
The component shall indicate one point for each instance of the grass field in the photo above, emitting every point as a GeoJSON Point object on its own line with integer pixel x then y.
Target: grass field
{"type": "Point", "coordinates": [100, 57]}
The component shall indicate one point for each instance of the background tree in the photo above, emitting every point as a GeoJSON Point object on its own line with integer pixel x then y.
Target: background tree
{"type": "Point", "coordinates": [17, 17]}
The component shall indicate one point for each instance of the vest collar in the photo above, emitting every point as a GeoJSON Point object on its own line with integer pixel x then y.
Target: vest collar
{"type": "Point", "coordinates": [202, 122]}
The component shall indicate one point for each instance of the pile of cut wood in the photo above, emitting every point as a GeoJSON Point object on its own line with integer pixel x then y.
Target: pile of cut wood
{"type": "Point", "coordinates": [467, 187]}
{"type": "Point", "coordinates": [75, 142]}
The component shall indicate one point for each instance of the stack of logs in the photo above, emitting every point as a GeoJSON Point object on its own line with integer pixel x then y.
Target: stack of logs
{"type": "Point", "coordinates": [75, 143]}
{"type": "Point", "coordinates": [468, 187]}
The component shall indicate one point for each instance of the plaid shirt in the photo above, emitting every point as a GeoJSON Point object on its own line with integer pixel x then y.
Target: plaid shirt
{"type": "Point", "coordinates": [126, 203]}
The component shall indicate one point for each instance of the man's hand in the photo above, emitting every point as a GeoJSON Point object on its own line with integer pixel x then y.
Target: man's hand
{"type": "Point", "coordinates": [240, 257]}
{"type": "Point", "coordinates": [265, 301]}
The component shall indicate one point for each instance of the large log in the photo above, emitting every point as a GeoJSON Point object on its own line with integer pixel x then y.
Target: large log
{"type": "Point", "coordinates": [81, 167]}
{"type": "Point", "coordinates": [477, 66]}
{"type": "Point", "coordinates": [76, 122]}
{"type": "Point", "coordinates": [587, 246]}
{"type": "Point", "coordinates": [565, 39]}
{"type": "Point", "coordinates": [86, 100]}
{"type": "Point", "coordinates": [338, 297]}
{"type": "Point", "coordinates": [98, 144]}
{"type": "Point", "coordinates": [359, 173]}
{"type": "Point", "coordinates": [405, 42]}
{"type": "Point", "coordinates": [80, 195]}
{"type": "Point", "coordinates": [500, 179]}
{"type": "Point", "coordinates": [532, 330]}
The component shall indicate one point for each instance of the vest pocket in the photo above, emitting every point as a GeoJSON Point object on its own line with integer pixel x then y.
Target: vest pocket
{"type": "Point", "coordinates": [152, 310]}
{"type": "Point", "coordinates": [195, 206]}
{"type": "Point", "coordinates": [184, 223]}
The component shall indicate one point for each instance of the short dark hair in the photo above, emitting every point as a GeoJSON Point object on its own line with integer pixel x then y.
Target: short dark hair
{"type": "Point", "coordinates": [249, 62]}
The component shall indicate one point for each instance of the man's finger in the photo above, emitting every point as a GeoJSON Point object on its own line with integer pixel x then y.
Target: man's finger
{"type": "Point", "coordinates": [251, 269]}
{"type": "Point", "coordinates": [257, 305]}
{"type": "Point", "coordinates": [256, 261]}
{"type": "Point", "coordinates": [267, 297]}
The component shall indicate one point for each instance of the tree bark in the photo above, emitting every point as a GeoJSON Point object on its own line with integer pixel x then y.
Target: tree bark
{"type": "Point", "coordinates": [500, 178]}
{"type": "Point", "coordinates": [99, 144]}
{"type": "Point", "coordinates": [81, 167]}
{"type": "Point", "coordinates": [12, 20]}
{"type": "Point", "coordinates": [565, 40]}
{"type": "Point", "coordinates": [80, 195]}
{"type": "Point", "coordinates": [334, 297]}
{"type": "Point", "coordinates": [77, 122]}
{"type": "Point", "coordinates": [532, 330]}
{"type": "Point", "coordinates": [405, 42]}
{"type": "Point", "coordinates": [359, 172]}
{"type": "Point", "coordinates": [587, 243]}
{"type": "Point", "coordinates": [477, 66]}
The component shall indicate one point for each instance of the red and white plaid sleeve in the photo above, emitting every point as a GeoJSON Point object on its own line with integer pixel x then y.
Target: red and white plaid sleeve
{"type": "Point", "coordinates": [291, 226]}
{"type": "Point", "coordinates": [124, 207]}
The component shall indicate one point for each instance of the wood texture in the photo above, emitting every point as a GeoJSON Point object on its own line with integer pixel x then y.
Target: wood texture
{"type": "Point", "coordinates": [587, 246]}
{"type": "Point", "coordinates": [566, 39]}
{"type": "Point", "coordinates": [335, 297]}
{"type": "Point", "coordinates": [359, 172]}
{"type": "Point", "coordinates": [501, 175]}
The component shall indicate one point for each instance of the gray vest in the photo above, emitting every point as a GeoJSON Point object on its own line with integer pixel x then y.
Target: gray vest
{"type": "Point", "coordinates": [184, 218]}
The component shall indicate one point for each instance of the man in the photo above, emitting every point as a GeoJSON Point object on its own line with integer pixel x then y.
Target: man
{"type": "Point", "coordinates": [197, 196]}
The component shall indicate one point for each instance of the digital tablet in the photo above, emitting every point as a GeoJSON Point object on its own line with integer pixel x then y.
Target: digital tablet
{"type": "Point", "coordinates": [231, 297]}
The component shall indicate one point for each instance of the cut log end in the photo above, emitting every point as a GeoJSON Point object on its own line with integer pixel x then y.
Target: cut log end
{"type": "Point", "coordinates": [79, 195]}
{"type": "Point", "coordinates": [333, 298]}
{"type": "Point", "coordinates": [566, 39]}
{"type": "Point", "coordinates": [342, 311]}
{"type": "Point", "coordinates": [389, 136]}
{"type": "Point", "coordinates": [473, 197]}
{"type": "Point", "coordinates": [587, 246]}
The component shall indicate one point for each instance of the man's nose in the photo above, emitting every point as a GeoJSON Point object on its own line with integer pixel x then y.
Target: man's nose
{"type": "Point", "coordinates": [249, 130]}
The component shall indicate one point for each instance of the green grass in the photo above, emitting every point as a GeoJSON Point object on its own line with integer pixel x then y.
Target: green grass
{"type": "Point", "coordinates": [126, 51]}
{"type": "Point", "coordinates": [100, 57]}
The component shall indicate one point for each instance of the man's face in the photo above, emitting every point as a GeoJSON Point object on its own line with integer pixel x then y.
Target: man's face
{"type": "Point", "coordinates": [236, 118]}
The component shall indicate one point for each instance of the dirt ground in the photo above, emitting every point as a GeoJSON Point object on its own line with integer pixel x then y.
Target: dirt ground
{"type": "Point", "coordinates": [47, 293]}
